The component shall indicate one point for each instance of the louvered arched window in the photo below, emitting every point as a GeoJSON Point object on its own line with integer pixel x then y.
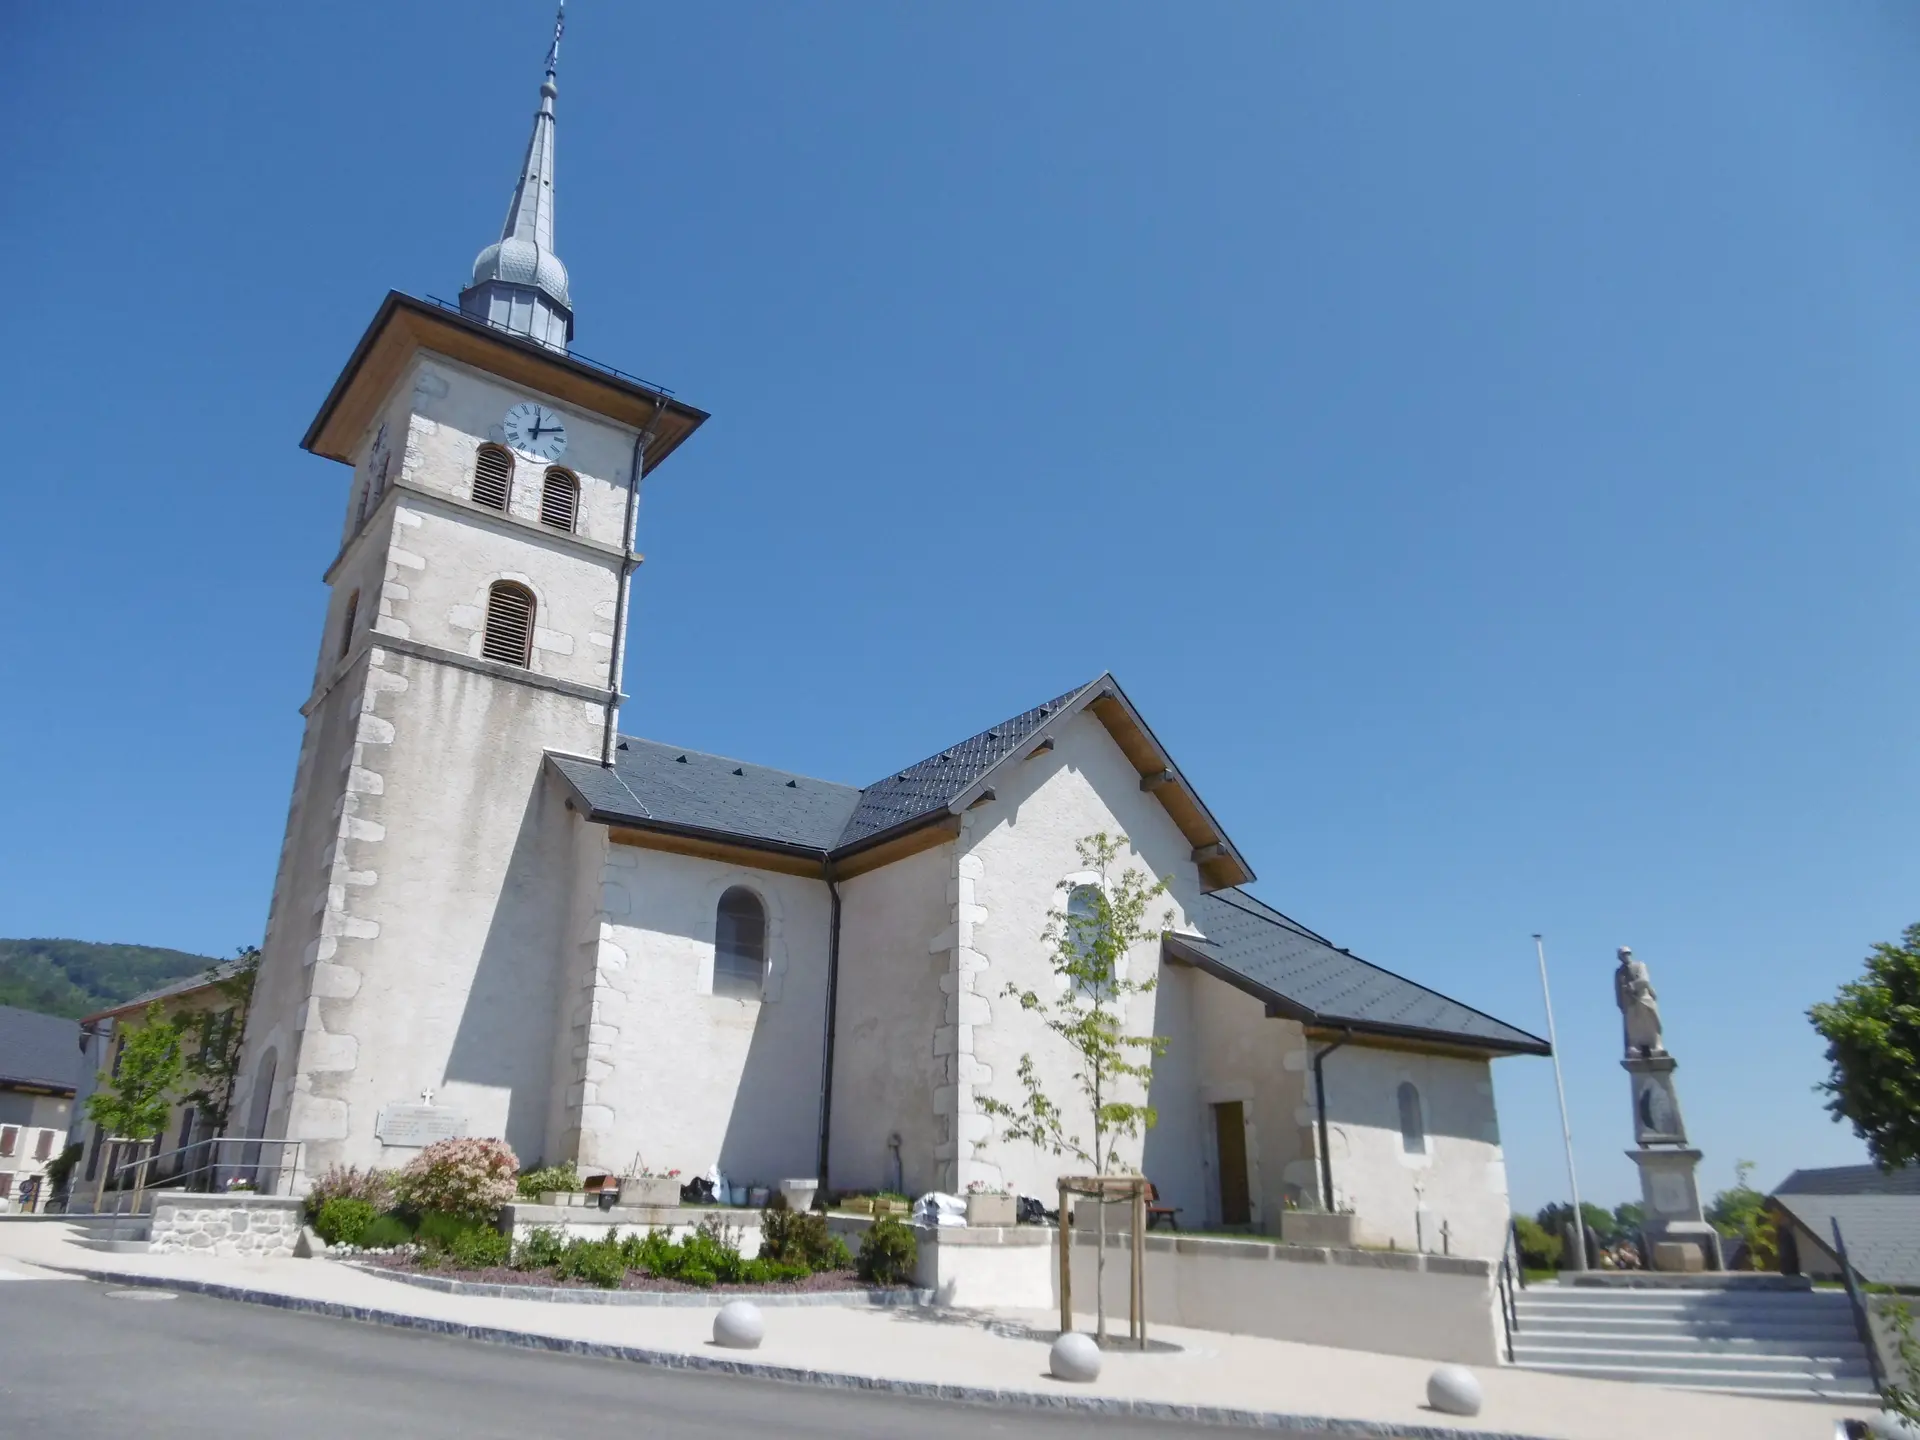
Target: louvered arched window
{"type": "Point", "coordinates": [492, 476]}
{"type": "Point", "coordinates": [509, 636]}
{"type": "Point", "coordinates": [559, 500]}
{"type": "Point", "coordinates": [740, 945]}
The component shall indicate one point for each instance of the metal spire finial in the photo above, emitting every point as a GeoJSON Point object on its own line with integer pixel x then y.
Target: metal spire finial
{"type": "Point", "coordinates": [519, 283]}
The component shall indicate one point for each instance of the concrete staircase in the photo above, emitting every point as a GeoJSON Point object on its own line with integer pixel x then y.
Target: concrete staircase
{"type": "Point", "coordinates": [1785, 1342]}
{"type": "Point", "coordinates": [115, 1234]}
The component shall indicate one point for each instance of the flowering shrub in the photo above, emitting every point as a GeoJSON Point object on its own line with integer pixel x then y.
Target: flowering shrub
{"type": "Point", "coordinates": [350, 1182]}
{"type": "Point", "coordinates": [466, 1177]}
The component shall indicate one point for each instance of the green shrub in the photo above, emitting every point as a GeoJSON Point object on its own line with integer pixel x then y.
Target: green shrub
{"type": "Point", "coordinates": [548, 1177]}
{"type": "Point", "coordinates": [349, 1182]}
{"type": "Point", "coordinates": [438, 1230]}
{"type": "Point", "coordinates": [801, 1238]}
{"type": "Point", "coordinates": [343, 1221]}
{"type": "Point", "coordinates": [539, 1250]}
{"type": "Point", "coordinates": [599, 1262]}
{"type": "Point", "coordinates": [479, 1249]}
{"type": "Point", "coordinates": [385, 1232]}
{"type": "Point", "coordinates": [888, 1253]}
{"type": "Point", "coordinates": [1538, 1249]}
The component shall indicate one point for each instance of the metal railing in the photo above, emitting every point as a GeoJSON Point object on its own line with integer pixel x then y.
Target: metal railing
{"type": "Point", "coordinates": [1513, 1271]}
{"type": "Point", "coordinates": [573, 355]}
{"type": "Point", "coordinates": [1861, 1320]}
{"type": "Point", "coordinates": [221, 1165]}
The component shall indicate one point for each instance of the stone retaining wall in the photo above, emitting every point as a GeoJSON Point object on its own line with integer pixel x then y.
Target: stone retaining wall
{"type": "Point", "coordinates": [263, 1225]}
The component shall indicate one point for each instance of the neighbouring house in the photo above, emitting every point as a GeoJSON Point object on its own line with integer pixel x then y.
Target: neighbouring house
{"type": "Point", "coordinates": [497, 914]}
{"type": "Point", "coordinates": [40, 1068]}
{"type": "Point", "coordinates": [103, 1035]}
{"type": "Point", "coordinates": [1878, 1213]}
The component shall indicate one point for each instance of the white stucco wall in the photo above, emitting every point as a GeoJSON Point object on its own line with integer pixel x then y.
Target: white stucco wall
{"type": "Point", "coordinates": [1015, 860]}
{"type": "Point", "coordinates": [1461, 1180]}
{"type": "Point", "coordinates": [692, 1079]}
{"type": "Point", "coordinates": [886, 1074]}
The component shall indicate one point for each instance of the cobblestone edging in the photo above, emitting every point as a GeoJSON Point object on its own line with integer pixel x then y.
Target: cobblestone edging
{"type": "Point", "coordinates": [799, 1375]}
{"type": "Point", "coordinates": [568, 1295]}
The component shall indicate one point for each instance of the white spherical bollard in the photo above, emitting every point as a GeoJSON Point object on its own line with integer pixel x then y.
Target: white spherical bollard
{"type": "Point", "coordinates": [1453, 1390]}
{"type": "Point", "coordinates": [1074, 1357]}
{"type": "Point", "coordinates": [738, 1326]}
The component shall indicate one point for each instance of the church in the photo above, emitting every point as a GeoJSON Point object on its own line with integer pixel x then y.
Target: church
{"type": "Point", "coordinates": [496, 913]}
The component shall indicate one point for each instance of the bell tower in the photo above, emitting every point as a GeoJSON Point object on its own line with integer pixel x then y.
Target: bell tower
{"type": "Point", "coordinates": [418, 936]}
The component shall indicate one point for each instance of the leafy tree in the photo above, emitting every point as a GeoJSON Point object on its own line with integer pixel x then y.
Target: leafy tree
{"type": "Point", "coordinates": [136, 1096]}
{"type": "Point", "coordinates": [1872, 1030]}
{"type": "Point", "coordinates": [1629, 1218]}
{"type": "Point", "coordinates": [1553, 1219]}
{"type": "Point", "coordinates": [1539, 1249]}
{"type": "Point", "coordinates": [1089, 943]}
{"type": "Point", "coordinates": [1741, 1214]}
{"type": "Point", "coordinates": [211, 1039]}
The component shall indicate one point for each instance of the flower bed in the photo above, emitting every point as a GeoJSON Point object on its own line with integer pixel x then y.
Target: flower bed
{"type": "Point", "coordinates": [547, 1277]}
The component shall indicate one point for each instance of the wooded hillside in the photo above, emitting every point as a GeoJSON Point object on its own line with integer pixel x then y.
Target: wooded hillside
{"type": "Point", "coordinates": [76, 977]}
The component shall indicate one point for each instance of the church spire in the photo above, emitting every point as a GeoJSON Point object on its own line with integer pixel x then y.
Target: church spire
{"type": "Point", "coordinates": [519, 283]}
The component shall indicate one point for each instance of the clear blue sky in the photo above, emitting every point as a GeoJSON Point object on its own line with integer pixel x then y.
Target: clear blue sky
{"type": "Point", "coordinates": [1482, 439]}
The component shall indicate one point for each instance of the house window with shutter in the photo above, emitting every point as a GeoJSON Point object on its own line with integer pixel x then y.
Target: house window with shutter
{"type": "Point", "coordinates": [509, 635]}
{"type": "Point", "coordinates": [9, 1139]}
{"type": "Point", "coordinates": [559, 500]}
{"type": "Point", "coordinates": [492, 477]}
{"type": "Point", "coordinates": [346, 630]}
{"type": "Point", "coordinates": [44, 1148]}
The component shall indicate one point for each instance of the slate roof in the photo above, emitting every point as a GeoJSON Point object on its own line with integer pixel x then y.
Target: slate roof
{"type": "Point", "coordinates": [668, 786]}
{"type": "Point", "coordinates": [222, 971]}
{"type": "Point", "coordinates": [1253, 946]}
{"type": "Point", "coordinates": [1852, 1180]}
{"type": "Point", "coordinates": [1882, 1232]}
{"type": "Point", "coordinates": [39, 1050]}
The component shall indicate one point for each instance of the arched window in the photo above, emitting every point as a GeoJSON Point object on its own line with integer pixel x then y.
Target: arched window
{"type": "Point", "coordinates": [1085, 927]}
{"type": "Point", "coordinates": [740, 945]}
{"type": "Point", "coordinates": [492, 477]}
{"type": "Point", "coordinates": [346, 630]}
{"type": "Point", "coordinates": [1413, 1124]}
{"type": "Point", "coordinates": [559, 500]}
{"type": "Point", "coordinates": [509, 636]}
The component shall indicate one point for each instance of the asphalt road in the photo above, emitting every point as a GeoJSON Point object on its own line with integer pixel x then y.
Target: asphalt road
{"type": "Point", "coordinates": [77, 1363]}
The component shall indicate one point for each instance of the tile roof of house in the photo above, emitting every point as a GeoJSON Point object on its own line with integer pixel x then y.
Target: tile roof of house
{"type": "Point", "coordinates": [211, 976]}
{"type": "Point", "coordinates": [39, 1050]}
{"type": "Point", "coordinates": [1250, 944]}
{"type": "Point", "coordinates": [666, 787]}
{"type": "Point", "coordinates": [1882, 1232]}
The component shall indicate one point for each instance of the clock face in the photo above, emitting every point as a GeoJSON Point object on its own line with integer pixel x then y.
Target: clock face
{"type": "Point", "coordinates": [535, 429]}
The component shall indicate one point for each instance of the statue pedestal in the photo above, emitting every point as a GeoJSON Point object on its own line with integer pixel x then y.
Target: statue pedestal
{"type": "Point", "coordinates": [1670, 1195]}
{"type": "Point", "coordinates": [1656, 1104]}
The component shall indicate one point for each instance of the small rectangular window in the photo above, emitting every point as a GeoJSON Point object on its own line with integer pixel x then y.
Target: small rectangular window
{"type": "Point", "coordinates": [44, 1149]}
{"type": "Point", "coordinates": [9, 1139]}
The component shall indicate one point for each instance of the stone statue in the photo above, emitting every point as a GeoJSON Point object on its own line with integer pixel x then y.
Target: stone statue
{"type": "Point", "coordinates": [1639, 1006]}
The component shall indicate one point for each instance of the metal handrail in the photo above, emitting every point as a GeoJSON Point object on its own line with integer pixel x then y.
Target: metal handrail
{"type": "Point", "coordinates": [1861, 1320]}
{"type": "Point", "coordinates": [203, 1176]}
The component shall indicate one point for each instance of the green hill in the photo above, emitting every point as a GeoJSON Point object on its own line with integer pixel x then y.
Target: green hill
{"type": "Point", "coordinates": [77, 977]}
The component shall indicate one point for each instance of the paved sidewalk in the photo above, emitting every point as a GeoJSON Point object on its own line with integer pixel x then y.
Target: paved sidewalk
{"type": "Point", "coordinates": [1216, 1376]}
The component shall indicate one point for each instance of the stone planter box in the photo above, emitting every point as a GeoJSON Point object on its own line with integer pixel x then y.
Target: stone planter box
{"type": "Point", "coordinates": [799, 1193]}
{"type": "Point", "coordinates": [649, 1190]}
{"type": "Point", "coordinates": [991, 1210]}
{"type": "Point", "coordinates": [1316, 1227]}
{"type": "Point", "coordinates": [574, 1198]}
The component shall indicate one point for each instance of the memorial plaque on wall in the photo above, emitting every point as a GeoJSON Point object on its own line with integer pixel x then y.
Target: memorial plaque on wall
{"type": "Point", "coordinates": [417, 1125]}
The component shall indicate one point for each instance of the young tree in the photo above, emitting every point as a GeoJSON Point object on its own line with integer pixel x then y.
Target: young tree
{"type": "Point", "coordinates": [1089, 943]}
{"type": "Point", "coordinates": [1741, 1214]}
{"type": "Point", "coordinates": [211, 1040]}
{"type": "Point", "coordinates": [136, 1096]}
{"type": "Point", "coordinates": [1872, 1030]}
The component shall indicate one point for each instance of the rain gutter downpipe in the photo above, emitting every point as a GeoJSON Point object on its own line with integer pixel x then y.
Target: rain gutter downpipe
{"type": "Point", "coordinates": [1320, 1103]}
{"type": "Point", "coordinates": [614, 660]}
{"type": "Point", "coordinates": [833, 1014]}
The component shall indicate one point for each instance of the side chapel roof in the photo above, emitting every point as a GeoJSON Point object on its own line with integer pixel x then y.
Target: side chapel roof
{"type": "Point", "coordinates": [672, 790]}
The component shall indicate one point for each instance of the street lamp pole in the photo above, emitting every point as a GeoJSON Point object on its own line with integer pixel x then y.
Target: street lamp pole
{"type": "Point", "coordinates": [1578, 1240]}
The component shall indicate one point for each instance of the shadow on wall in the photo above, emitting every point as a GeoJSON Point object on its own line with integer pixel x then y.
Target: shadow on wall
{"type": "Point", "coordinates": [1368, 1090]}
{"type": "Point", "coordinates": [773, 1128]}
{"type": "Point", "coordinates": [507, 1030]}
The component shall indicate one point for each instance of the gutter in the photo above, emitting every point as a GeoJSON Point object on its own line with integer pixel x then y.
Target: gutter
{"type": "Point", "coordinates": [1320, 1104]}
{"type": "Point", "coordinates": [833, 1015]}
{"type": "Point", "coordinates": [614, 659]}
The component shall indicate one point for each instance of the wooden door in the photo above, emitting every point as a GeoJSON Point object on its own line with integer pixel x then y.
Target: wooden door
{"type": "Point", "coordinates": [1230, 1137]}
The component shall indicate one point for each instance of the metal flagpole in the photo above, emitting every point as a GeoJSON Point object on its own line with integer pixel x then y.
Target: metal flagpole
{"type": "Point", "coordinates": [1578, 1260]}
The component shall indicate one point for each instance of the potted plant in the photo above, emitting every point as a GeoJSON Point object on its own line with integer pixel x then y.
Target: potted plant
{"type": "Point", "coordinates": [990, 1204]}
{"type": "Point", "coordinates": [643, 1185]}
{"type": "Point", "coordinates": [799, 1194]}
